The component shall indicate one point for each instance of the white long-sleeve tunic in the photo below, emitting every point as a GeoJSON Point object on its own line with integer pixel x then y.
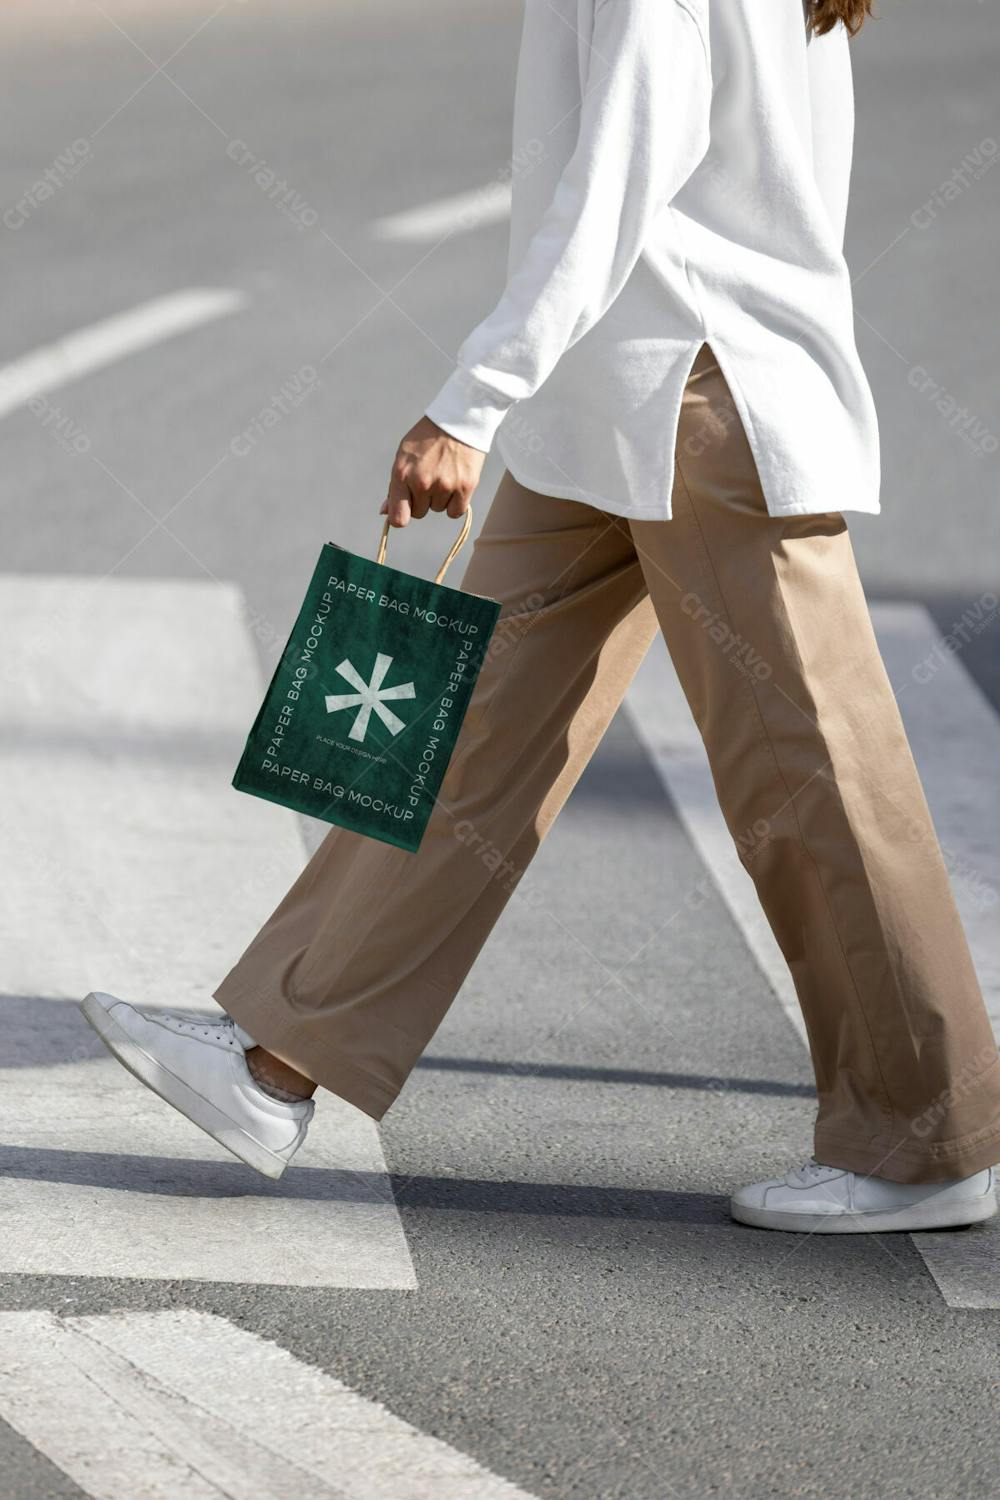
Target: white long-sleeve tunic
{"type": "Point", "coordinates": [680, 176]}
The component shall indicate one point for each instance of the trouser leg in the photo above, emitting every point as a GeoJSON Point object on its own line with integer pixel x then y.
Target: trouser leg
{"type": "Point", "coordinates": [351, 975]}
{"type": "Point", "coordinates": [769, 631]}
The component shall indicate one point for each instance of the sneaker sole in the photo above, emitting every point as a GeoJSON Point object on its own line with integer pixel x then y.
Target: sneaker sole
{"type": "Point", "coordinates": [194, 1106]}
{"type": "Point", "coordinates": [925, 1216]}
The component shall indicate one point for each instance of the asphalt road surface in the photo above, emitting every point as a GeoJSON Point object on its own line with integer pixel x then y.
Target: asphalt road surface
{"type": "Point", "coordinates": [239, 252]}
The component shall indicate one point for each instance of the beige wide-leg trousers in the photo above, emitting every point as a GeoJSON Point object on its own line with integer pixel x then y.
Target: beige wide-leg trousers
{"type": "Point", "coordinates": [769, 632]}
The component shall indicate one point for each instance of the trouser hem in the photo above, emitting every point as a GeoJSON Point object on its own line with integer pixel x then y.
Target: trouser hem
{"type": "Point", "coordinates": [934, 1163]}
{"type": "Point", "coordinates": [356, 1085]}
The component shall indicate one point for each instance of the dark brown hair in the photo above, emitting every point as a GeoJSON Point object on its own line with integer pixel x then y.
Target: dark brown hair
{"type": "Point", "coordinates": [826, 14]}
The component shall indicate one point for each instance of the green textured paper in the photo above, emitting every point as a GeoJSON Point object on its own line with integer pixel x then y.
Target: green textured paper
{"type": "Point", "coordinates": [404, 655]}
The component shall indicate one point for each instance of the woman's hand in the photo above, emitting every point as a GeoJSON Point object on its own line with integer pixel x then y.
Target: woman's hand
{"type": "Point", "coordinates": [432, 471]}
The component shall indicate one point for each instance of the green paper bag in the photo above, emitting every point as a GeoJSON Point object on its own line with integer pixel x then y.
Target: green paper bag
{"type": "Point", "coordinates": [363, 711]}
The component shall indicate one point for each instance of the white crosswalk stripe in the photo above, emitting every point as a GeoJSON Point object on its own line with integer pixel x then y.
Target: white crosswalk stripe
{"type": "Point", "coordinates": [955, 736]}
{"type": "Point", "coordinates": [183, 1406]}
{"type": "Point", "coordinates": [459, 214]}
{"type": "Point", "coordinates": [138, 869]}
{"type": "Point", "coordinates": [100, 344]}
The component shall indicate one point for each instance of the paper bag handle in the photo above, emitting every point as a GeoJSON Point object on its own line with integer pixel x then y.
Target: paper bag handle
{"type": "Point", "coordinates": [439, 576]}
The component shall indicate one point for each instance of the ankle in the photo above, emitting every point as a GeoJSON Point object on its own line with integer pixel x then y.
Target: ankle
{"type": "Point", "coordinates": [278, 1078]}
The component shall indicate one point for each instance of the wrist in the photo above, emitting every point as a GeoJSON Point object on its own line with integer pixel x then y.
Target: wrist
{"type": "Point", "coordinates": [467, 410]}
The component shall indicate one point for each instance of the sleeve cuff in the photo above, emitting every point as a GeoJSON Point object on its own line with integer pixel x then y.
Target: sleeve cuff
{"type": "Point", "coordinates": [468, 410]}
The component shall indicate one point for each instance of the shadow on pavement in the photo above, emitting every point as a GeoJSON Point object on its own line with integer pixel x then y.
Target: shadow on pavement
{"type": "Point", "coordinates": [184, 1178]}
{"type": "Point", "coordinates": [576, 1072]}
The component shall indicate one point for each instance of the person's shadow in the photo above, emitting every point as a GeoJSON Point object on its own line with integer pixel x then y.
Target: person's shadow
{"type": "Point", "coordinates": [41, 1032]}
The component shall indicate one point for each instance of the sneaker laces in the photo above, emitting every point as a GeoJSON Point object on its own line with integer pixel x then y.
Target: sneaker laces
{"type": "Point", "coordinates": [223, 1027]}
{"type": "Point", "coordinates": [810, 1171]}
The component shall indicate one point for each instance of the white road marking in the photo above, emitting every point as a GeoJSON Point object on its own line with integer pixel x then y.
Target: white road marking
{"type": "Point", "coordinates": [430, 222]}
{"type": "Point", "coordinates": [113, 338]}
{"type": "Point", "coordinates": [138, 869]}
{"type": "Point", "coordinates": [965, 1265]}
{"type": "Point", "coordinates": [955, 737]}
{"type": "Point", "coordinates": [183, 1406]}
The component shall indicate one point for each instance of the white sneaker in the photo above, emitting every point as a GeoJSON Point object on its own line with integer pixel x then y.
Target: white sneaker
{"type": "Point", "coordinates": [827, 1200]}
{"type": "Point", "coordinates": [198, 1064]}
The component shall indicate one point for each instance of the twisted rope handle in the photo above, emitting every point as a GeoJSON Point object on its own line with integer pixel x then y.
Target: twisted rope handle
{"type": "Point", "coordinates": [439, 576]}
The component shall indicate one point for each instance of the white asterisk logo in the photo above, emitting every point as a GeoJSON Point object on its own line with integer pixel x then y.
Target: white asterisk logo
{"type": "Point", "coordinates": [369, 695]}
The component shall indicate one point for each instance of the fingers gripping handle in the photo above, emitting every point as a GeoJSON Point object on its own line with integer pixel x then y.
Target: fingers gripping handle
{"type": "Point", "coordinates": [439, 576]}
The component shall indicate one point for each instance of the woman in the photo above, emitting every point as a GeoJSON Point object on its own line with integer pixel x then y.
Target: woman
{"type": "Point", "coordinates": [686, 419]}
